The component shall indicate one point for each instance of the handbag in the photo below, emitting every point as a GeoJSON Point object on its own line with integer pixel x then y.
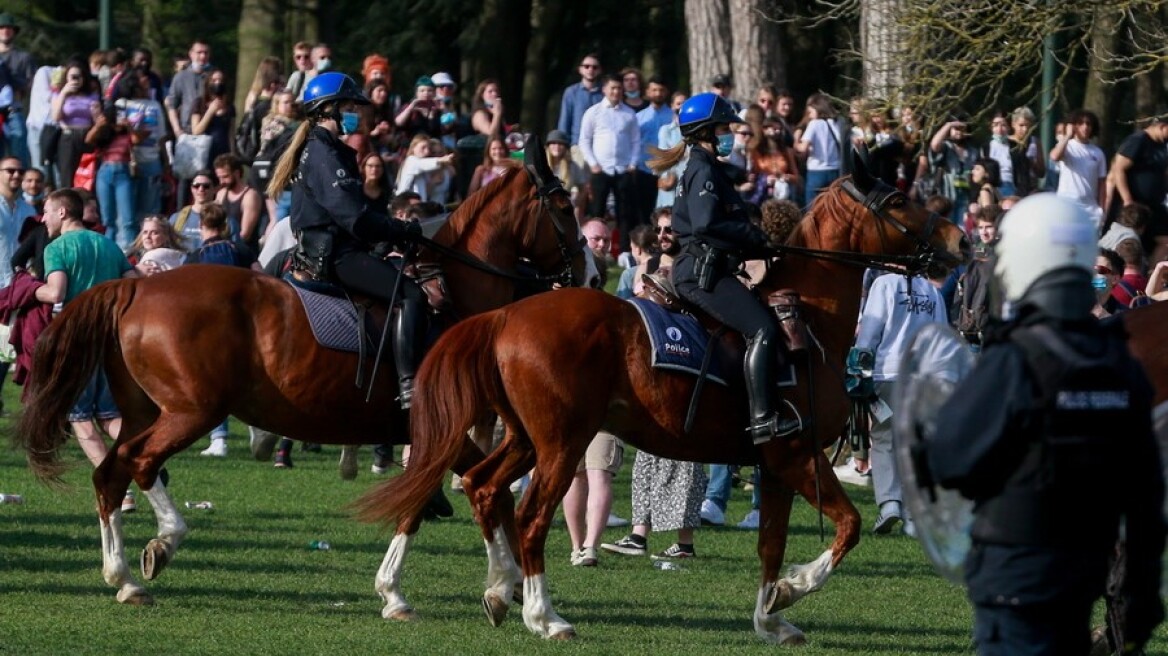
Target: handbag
{"type": "Point", "coordinates": [191, 152]}
{"type": "Point", "coordinates": [86, 174]}
{"type": "Point", "coordinates": [50, 138]}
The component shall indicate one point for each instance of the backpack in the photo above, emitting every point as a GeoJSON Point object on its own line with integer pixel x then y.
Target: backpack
{"type": "Point", "coordinates": [1138, 297]}
{"type": "Point", "coordinates": [247, 133]}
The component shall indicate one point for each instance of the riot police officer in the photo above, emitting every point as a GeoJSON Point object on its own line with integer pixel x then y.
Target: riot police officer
{"type": "Point", "coordinates": [1050, 435]}
{"type": "Point", "coordinates": [334, 224]}
{"type": "Point", "coordinates": [716, 235]}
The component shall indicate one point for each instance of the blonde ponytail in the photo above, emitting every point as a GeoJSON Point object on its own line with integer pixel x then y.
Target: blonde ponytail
{"type": "Point", "coordinates": [663, 160]}
{"type": "Point", "coordinates": [289, 161]}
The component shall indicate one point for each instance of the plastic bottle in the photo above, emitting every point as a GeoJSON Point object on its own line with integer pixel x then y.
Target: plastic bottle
{"type": "Point", "coordinates": [667, 565]}
{"type": "Point", "coordinates": [319, 545]}
{"type": "Point", "coordinates": [11, 498]}
{"type": "Point", "coordinates": [201, 505]}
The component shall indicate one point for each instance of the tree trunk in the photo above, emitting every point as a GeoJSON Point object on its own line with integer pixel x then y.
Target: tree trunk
{"type": "Point", "coordinates": [881, 41]}
{"type": "Point", "coordinates": [1100, 96]}
{"type": "Point", "coordinates": [708, 30]}
{"type": "Point", "coordinates": [756, 52]}
{"type": "Point", "coordinates": [259, 36]}
{"type": "Point", "coordinates": [545, 21]}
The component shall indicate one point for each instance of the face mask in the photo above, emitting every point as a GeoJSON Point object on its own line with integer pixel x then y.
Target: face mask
{"type": "Point", "coordinates": [1000, 138]}
{"type": "Point", "coordinates": [216, 89]}
{"type": "Point", "coordinates": [488, 104]}
{"type": "Point", "coordinates": [725, 144]}
{"type": "Point", "coordinates": [349, 122]}
{"type": "Point", "coordinates": [323, 64]}
{"type": "Point", "coordinates": [633, 94]}
{"type": "Point", "coordinates": [1099, 282]}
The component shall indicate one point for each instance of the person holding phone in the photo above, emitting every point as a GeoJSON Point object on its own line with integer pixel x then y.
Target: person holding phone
{"type": "Point", "coordinates": [422, 114]}
{"type": "Point", "coordinates": [75, 108]}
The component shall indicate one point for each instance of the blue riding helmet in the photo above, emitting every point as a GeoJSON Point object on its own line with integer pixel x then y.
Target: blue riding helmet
{"type": "Point", "coordinates": [705, 110]}
{"type": "Point", "coordinates": [331, 87]}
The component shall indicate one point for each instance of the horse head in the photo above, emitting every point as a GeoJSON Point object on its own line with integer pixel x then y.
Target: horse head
{"type": "Point", "coordinates": [579, 269]}
{"type": "Point", "coordinates": [900, 227]}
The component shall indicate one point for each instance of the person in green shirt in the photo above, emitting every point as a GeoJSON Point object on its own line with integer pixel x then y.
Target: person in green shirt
{"type": "Point", "coordinates": [75, 260]}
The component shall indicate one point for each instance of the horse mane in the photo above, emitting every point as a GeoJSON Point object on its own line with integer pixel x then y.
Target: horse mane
{"type": "Point", "coordinates": [810, 231]}
{"type": "Point", "coordinates": [473, 208]}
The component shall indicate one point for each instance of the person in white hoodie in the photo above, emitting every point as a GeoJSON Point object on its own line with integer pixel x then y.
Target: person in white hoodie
{"type": "Point", "coordinates": [892, 315]}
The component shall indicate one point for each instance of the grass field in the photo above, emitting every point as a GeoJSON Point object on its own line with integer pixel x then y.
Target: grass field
{"type": "Point", "coordinates": [245, 581]}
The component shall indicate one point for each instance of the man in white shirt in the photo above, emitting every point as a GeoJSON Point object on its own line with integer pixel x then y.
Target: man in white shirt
{"type": "Point", "coordinates": [1082, 164]}
{"type": "Point", "coordinates": [610, 140]}
{"type": "Point", "coordinates": [13, 212]}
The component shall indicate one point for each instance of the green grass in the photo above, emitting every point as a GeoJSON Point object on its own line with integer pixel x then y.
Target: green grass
{"type": "Point", "coordinates": [244, 581]}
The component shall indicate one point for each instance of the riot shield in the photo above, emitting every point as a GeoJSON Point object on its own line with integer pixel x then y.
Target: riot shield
{"type": "Point", "coordinates": [936, 359]}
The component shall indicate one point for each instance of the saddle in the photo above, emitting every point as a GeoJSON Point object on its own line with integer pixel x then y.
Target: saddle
{"type": "Point", "coordinates": [785, 303]}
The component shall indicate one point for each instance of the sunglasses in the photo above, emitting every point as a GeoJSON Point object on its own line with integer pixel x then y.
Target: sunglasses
{"type": "Point", "coordinates": [13, 171]}
{"type": "Point", "coordinates": [665, 230]}
{"type": "Point", "coordinates": [589, 65]}
{"type": "Point", "coordinates": [1103, 270]}
{"type": "Point", "coordinates": [201, 185]}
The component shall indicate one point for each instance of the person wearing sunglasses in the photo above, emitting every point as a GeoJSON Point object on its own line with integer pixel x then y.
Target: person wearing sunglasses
{"type": "Point", "coordinates": [186, 221]}
{"type": "Point", "coordinates": [578, 98]}
{"type": "Point", "coordinates": [1108, 271]}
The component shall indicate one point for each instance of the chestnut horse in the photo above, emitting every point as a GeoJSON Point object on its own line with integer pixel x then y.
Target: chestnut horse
{"type": "Point", "coordinates": [185, 348]}
{"type": "Point", "coordinates": [1145, 327]}
{"type": "Point", "coordinates": [559, 367]}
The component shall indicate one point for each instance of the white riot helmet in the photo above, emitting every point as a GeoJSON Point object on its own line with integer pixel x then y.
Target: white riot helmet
{"type": "Point", "coordinates": [1042, 233]}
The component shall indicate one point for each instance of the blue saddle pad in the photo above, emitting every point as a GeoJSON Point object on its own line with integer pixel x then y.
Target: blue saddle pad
{"type": "Point", "coordinates": [333, 320]}
{"type": "Point", "coordinates": [679, 341]}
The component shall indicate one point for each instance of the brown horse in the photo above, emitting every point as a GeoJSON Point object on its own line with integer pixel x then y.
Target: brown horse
{"type": "Point", "coordinates": [560, 367]}
{"type": "Point", "coordinates": [186, 348]}
{"type": "Point", "coordinates": [1145, 327]}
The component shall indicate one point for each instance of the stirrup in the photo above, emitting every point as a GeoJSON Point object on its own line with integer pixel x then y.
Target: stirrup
{"type": "Point", "coordinates": [762, 431]}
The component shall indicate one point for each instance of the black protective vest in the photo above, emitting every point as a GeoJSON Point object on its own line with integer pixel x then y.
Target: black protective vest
{"type": "Point", "coordinates": [1064, 492]}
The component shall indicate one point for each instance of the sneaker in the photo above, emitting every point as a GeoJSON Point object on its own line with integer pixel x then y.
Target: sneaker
{"type": "Point", "coordinates": [910, 528]}
{"type": "Point", "coordinates": [847, 473]}
{"type": "Point", "coordinates": [675, 551]}
{"type": "Point", "coordinates": [750, 522]}
{"type": "Point", "coordinates": [456, 484]}
{"type": "Point", "coordinates": [616, 522]}
{"type": "Point", "coordinates": [128, 503]}
{"type": "Point", "coordinates": [380, 464]}
{"type": "Point", "coordinates": [585, 557]}
{"type": "Point", "coordinates": [712, 515]}
{"type": "Point", "coordinates": [888, 519]}
{"type": "Point", "coordinates": [218, 448]}
{"type": "Point", "coordinates": [283, 459]}
{"type": "Point", "coordinates": [629, 545]}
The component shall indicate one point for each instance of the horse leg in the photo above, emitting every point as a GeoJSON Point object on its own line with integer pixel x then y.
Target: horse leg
{"type": "Point", "coordinates": [775, 517]}
{"type": "Point", "coordinates": [486, 486]}
{"type": "Point", "coordinates": [553, 476]}
{"type": "Point", "coordinates": [348, 463]}
{"type": "Point", "coordinates": [387, 582]}
{"type": "Point", "coordinates": [833, 501]}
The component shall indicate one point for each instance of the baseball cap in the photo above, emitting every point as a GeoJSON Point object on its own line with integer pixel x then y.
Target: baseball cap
{"type": "Point", "coordinates": [442, 79]}
{"type": "Point", "coordinates": [721, 80]}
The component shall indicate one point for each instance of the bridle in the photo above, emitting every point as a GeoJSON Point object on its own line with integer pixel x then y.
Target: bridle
{"type": "Point", "coordinates": [877, 201]}
{"type": "Point", "coordinates": [568, 249]}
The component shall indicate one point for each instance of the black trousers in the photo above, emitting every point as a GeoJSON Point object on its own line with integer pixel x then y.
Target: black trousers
{"type": "Point", "coordinates": [371, 276]}
{"type": "Point", "coordinates": [623, 186]}
{"type": "Point", "coordinates": [729, 301]}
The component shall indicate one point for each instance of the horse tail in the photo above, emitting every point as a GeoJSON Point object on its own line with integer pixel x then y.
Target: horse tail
{"type": "Point", "coordinates": [457, 384]}
{"type": "Point", "coordinates": [66, 356]}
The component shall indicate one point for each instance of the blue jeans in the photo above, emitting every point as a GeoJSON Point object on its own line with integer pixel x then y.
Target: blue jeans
{"type": "Point", "coordinates": [148, 189]}
{"type": "Point", "coordinates": [115, 197]}
{"type": "Point", "coordinates": [816, 182]}
{"type": "Point", "coordinates": [220, 430]}
{"type": "Point", "coordinates": [96, 401]}
{"type": "Point", "coordinates": [16, 137]}
{"type": "Point", "coordinates": [718, 487]}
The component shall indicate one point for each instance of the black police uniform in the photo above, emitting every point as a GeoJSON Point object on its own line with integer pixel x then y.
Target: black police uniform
{"type": "Point", "coordinates": [711, 224]}
{"type": "Point", "coordinates": [1050, 481]}
{"type": "Point", "coordinates": [336, 228]}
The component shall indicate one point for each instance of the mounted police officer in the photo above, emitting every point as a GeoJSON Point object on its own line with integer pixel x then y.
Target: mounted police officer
{"type": "Point", "coordinates": [335, 225]}
{"type": "Point", "coordinates": [716, 235]}
{"type": "Point", "coordinates": [1050, 435]}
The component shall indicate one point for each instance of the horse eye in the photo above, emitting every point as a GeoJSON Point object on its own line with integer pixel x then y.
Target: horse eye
{"type": "Point", "coordinates": [897, 201]}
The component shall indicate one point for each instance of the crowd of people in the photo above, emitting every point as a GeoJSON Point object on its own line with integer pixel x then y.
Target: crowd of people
{"type": "Point", "coordinates": [169, 174]}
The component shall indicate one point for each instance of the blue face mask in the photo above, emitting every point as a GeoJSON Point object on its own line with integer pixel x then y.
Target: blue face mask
{"type": "Point", "coordinates": [349, 121]}
{"type": "Point", "coordinates": [1099, 282]}
{"type": "Point", "coordinates": [725, 144]}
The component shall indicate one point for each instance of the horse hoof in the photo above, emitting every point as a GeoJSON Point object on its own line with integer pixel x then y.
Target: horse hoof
{"type": "Point", "coordinates": [495, 609]}
{"type": "Point", "coordinates": [404, 615]}
{"type": "Point", "coordinates": [154, 559]}
{"type": "Point", "coordinates": [567, 634]}
{"type": "Point", "coordinates": [779, 598]}
{"type": "Point", "coordinates": [137, 598]}
{"type": "Point", "coordinates": [262, 444]}
{"type": "Point", "coordinates": [797, 640]}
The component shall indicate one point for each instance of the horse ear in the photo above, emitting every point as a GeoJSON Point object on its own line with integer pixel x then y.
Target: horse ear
{"type": "Point", "coordinates": [861, 174]}
{"type": "Point", "coordinates": [536, 163]}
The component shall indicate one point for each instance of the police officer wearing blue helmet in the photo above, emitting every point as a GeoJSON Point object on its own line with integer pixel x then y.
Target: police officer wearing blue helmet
{"type": "Point", "coordinates": [716, 236]}
{"type": "Point", "coordinates": [335, 225]}
{"type": "Point", "coordinates": [1051, 437]}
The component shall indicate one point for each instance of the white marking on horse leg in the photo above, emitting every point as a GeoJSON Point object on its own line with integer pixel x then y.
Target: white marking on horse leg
{"type": "Point", "coordinates": [502, 572]}
{"type": "Point", "coordinates": [802, 580]}
{"type": "Point", "coordinates": [114, 568]}
{"type": "Point", "coordinates": [537, 609]}
{"type": "Point", "coordinates": [171, 527]}
{"type": "Point", "coordinates": [387, 583]}
{"type": "Point", "coordinates": [773, 628]}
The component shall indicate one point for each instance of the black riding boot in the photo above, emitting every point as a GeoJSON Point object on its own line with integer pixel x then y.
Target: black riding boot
{"type": "Point", "coordinates": [407, 349]}
{"type": "Point", "coordinates": [761, 366]}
